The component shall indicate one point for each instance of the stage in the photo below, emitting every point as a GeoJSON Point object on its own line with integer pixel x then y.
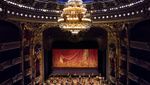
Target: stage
{"type": "Point", "coordinates": [75, 71]}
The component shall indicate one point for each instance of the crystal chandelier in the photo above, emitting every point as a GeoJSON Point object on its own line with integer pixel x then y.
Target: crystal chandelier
{"type": "Point", "coordinates": [74, 17]}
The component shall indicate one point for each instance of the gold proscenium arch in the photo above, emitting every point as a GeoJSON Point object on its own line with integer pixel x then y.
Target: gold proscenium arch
{"type": "Point", "coordinates": [36, 38]}
{"type": "Point", "coordinates": [113, 37]}
{"type": "Point", "coordinates": [37, 29]}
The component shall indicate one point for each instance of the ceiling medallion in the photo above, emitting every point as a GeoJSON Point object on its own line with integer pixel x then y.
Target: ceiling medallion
{"type": "Point", "coordinates": [74, 17]}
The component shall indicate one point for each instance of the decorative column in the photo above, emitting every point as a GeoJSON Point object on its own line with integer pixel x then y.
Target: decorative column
{"type": "Point", "coordinates": [36, 52]}
{"type": "Point", "coordinates": [34, 39]}
{"type": "Point", "coordinates": [125, 51]}
{"type": "Point", "coordinates": [118, 52]}
{"type": "Point", "coordinates": [112, 56]}
{"type": "Point", "coordinates": [22, 54]}
{"type": "Point", "coordinates": [38, 57]}
{"type": "Point", "coordinates": [128, 55]}
{"type": "Point", "coordinates": [28, 42]}
{"type": "Point", "coordinates": [114, 52]}
{"type": "Point", "coordinates": [124, 43]}
{"type": "Point", "coordinates": [127, 28]}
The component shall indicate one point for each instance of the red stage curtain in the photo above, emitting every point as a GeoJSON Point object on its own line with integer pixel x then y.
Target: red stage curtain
{"type": "Point", "coordinates": [75, 58]}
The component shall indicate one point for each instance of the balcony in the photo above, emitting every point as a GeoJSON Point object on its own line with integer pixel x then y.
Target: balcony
{"type": "Point", "coordinates": [137, 79]}
{"type": "Point", "coordinates": [9, 46]}
{"type": "Point", "coordinates": [140, 63]}
{"type": "Point", "coordinates": [27, 58]}
{"type": "Point", "coordinates": [123, 57]}
{"type": "Point", "coordinates": [28, 71]}
{"type": "Point", "coordinates": [8, 82]}
{"type": "Point", "coordinates": [17, 77]}
{"type": "Point", "coordinates": [6, 64]}
{"type": "Point", "coordinates": [132, 77]}
{"type": "Point", "coordinates": [20, 12]}
{"type": "Point", "coordinates": [140, 45]}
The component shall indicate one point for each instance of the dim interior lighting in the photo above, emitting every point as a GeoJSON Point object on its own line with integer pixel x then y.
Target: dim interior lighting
{"type": "Point", "coordinates": [13, 13]}
{"type": "Point", "coordinates": [54, 17]}
{"type": "Point", "coordinates": [91, 11]}
{"type": "Point", "coordinates": [21, 14]}
{"type": "Point", "coordinates": [1, 9]}
{"type": "Point", "coordinates": [119, 15]}
{"type": "Point", "coordinates": [132, 13]}
{"type": "Point", "coordinates": [17, 13]}
{"type": "Point", "coordinates": [34, 16]}
{"type": "Point", "coordinates": [107, 16]}
{"type": "Point", "coordinates": [121, 7]}
{"type": "Point", "coordinates": [141, 11]}
{"type": "Point", "coordinates": [124, 14]}
{"type": "Point", "coordinates": [149, 8]}
{"type": "Point", "coordinates": [8, 11]}
{"type": "Point", "coordinates": [103, 17]}
{"type": "Point", "coordinates": [26, 15]}
{"type": "Point", "coordinates": [56, 11]}
{"type": "Point", "coordinates": [42, 17]}
{"type": "Point", "coordinates": [30, 15]}
{"type": "Point", "coordinates": [28, 7]}
{"type": "Point", "coordinates": [74, 17]}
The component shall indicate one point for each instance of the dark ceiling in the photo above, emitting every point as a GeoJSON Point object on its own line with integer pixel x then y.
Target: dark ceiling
{"type": "Point", "coordinates": [59, 4]}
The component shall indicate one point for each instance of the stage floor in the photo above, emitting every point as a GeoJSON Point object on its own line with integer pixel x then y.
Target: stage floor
{"type": "Point", "coordinates": [72, 71]}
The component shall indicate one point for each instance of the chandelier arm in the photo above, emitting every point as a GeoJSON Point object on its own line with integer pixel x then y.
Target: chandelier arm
{"type": "Point", "coordinates": [74, 17]}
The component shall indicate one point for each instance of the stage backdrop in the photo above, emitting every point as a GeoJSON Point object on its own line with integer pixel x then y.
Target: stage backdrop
{"type": "Point", "coordinates": [75, 58]}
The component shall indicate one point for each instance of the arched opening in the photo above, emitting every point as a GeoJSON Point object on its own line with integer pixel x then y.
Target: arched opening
{"type": "Point", "coordinates": [141, 31]}
{"type": "Point", "coordinates": [55, 38]}
{"type": "Point", "coordinates": [9, 32]}
{"type": "Point", "coordinates": [10, 38]}
{"type": "Point", "coordinates": [139, 51]}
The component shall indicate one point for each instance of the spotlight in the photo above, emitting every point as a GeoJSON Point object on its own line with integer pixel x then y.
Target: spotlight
{"type": "Point", "coordinates": [149, 9]}
{"type": "Point", "coordinates": [17, 13]}
{"type": "Point", "coordinates": [8, 11]}
{"type": "Point", "coordinates": [107, 16]}
{"type": "Point", "coordinates": [34, 16]}
{"type": "Point", "coordinates": [26, 15]}
{"type": "Point", "coordinates": [132, 13]}
{"type": "Point", "coordinates": [1, 9]}
{"type": "Point", "coordinates": [119, 15]}
{"type": "Point", "coordinates": [12, 13]}
{"type": "Point", "coordinates": [94, 17]}
{"type": "Point", "coordinates": [30, 15]}
{"type": "Point", "coordinates": [21, 14]}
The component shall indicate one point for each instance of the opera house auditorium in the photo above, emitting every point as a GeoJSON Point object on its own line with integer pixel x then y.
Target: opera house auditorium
{"type": "Point", "coordinates": [74, 42]}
